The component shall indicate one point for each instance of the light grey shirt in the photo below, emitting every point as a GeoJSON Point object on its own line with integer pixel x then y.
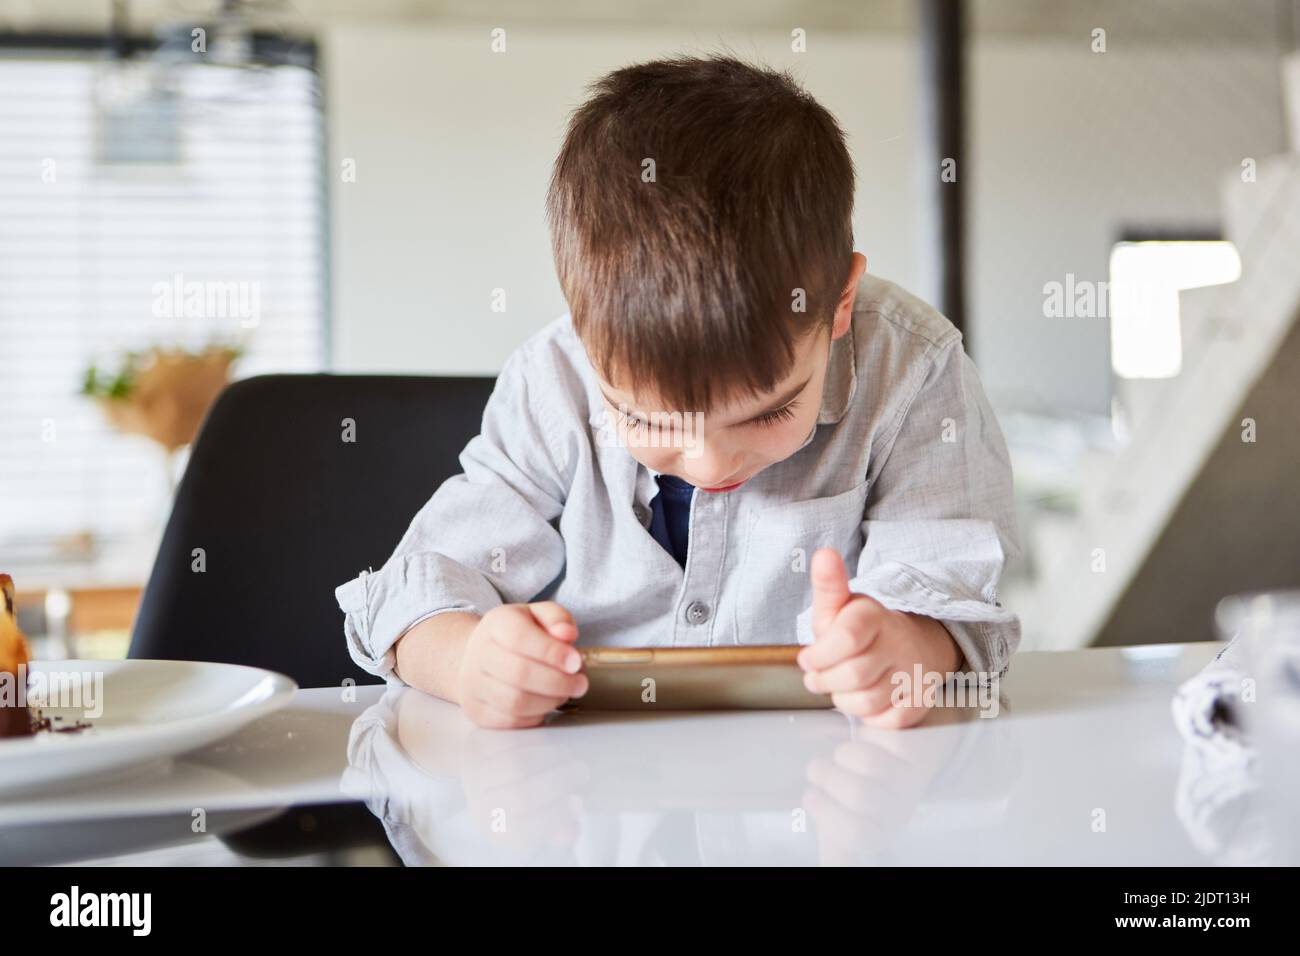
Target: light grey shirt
{"type": "Point", "coordinates": [906, 474]}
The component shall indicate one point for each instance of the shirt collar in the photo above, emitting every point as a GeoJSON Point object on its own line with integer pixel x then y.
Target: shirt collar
{"type": "Point", "coordinates": [841, 379]}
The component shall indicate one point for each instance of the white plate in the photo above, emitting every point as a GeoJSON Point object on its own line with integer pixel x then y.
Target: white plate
{"type": "Point", "coordinates": [139, 712]}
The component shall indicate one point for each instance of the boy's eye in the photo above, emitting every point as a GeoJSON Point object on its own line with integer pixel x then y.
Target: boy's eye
{"type": "Point", "coordinates": [632, 422]}
{"type": "Point", "coordinates": [776, 417]}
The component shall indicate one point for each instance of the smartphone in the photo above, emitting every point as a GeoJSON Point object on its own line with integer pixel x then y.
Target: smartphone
{"type": "Point", "coordinates": [752, 677]}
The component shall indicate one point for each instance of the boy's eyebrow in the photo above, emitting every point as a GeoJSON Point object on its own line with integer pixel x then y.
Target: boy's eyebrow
{"type": "Point", "coordinates": [784, 400]}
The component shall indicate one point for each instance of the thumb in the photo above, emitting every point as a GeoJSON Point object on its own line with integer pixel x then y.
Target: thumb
{"type": "Point", "coordinates": [830, 587]}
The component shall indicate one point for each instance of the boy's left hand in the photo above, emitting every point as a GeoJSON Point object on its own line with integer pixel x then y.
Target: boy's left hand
{"type": "Point", "coordinates": [859, 644]}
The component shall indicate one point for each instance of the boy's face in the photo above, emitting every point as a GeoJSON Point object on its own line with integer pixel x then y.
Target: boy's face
{"type": "Point", "coordinates": [722, 450]}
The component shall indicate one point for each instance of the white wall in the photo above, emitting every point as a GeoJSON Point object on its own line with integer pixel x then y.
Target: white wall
{"type": "Point", "coordinates": [453, 146]}
{"type": "Point", "coordinates": [1070, 148]}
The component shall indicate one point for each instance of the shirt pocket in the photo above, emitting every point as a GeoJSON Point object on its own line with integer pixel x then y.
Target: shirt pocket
{"type": "Point", "coordinates": [773, 585]}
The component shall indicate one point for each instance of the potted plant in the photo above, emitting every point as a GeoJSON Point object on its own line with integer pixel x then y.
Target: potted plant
{"type": "Point", "coordinates": [162, 393]}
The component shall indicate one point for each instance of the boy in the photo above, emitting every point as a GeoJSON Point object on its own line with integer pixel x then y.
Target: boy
{"type": "Point", "coordinates": [729, 394]}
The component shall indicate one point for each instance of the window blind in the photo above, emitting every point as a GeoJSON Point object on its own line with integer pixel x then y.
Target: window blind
{"type": "Point", "coordinates": [120, 183]}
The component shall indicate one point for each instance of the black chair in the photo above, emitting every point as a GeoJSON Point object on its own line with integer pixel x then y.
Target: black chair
{"type": "Point", "coordinates": [285, 510]}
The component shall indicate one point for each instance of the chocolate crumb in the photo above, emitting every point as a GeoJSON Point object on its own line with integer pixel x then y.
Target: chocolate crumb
{"type": "Point", "coordinates": [26, 722]}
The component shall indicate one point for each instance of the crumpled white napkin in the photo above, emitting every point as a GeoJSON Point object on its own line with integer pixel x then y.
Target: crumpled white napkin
{"type": "Point", "coordinates": [1217, 799]}
{"type": "Point", "coordinates": [1207, 709]}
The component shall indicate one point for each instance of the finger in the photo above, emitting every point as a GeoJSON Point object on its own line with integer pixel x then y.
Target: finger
{"type": "Point", "coordinates": [852, 633]}
{"type": "Point", "coordinates": [863, 703]}
{"type": "Point", "coordinates": [848, 789]}
{"type": "Point", "coordinates": [525, 674]}
{"type": "Point", "coordinates": [489, 718]}
{"type": "Point", "coordinates": [878, 758]}
{"type": "Point", "coordinates": [555, 619]}
{"type": "Point", "coordinates": [830, 588]}
{"type": "Point", "coordinates": [861, 672]}
{"type": "Point", "coordinates": [529, 640]}
{"type": "Point", "coordinates": [898, 718]}
{"type": "Point", "coordinates": [870, 798]}
{"type": "Point", "coordinates": [513, 701]}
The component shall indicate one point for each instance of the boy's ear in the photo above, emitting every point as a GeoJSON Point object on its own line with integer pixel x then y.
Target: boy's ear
{"type": "Point", "coordinates": [844, 308]}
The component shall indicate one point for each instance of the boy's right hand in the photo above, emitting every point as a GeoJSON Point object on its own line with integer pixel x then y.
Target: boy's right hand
{"type": "Point", "coordinates": [519, 665]}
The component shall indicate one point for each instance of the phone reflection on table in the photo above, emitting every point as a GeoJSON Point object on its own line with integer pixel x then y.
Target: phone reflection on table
{"type": "Point", "coordinates": [683, 788]}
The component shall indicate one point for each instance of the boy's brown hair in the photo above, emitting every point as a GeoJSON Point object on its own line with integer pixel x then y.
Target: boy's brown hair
{"type": "Point", "coordinates": [691, 199]}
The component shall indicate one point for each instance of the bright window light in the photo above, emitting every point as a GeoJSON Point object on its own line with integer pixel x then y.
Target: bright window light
{"type": "Point", "coordinates": [1145, 279]}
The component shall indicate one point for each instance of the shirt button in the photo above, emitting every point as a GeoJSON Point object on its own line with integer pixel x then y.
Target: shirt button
{"type": "Point", "coordinates": [641, 513]}
{"type": "Point", "coordinates": [697, 612]}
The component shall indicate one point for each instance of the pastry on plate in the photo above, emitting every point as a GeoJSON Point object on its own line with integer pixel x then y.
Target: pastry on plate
{"type": "Point", "coordinates": [14, 718]}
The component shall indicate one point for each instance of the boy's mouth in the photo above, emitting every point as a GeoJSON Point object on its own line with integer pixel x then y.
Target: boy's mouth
{"type": "Point", "coordinates": [721, 488]}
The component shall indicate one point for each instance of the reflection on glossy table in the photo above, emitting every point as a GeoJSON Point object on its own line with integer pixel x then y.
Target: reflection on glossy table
{"type": "Point", "coordinates": [1079, 737]}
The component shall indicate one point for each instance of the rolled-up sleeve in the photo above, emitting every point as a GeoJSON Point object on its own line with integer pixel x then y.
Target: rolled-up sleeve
{"type": "Point", "coordinates": [486, 537]}
{"type": "Point", "coordinates": [940, 520]}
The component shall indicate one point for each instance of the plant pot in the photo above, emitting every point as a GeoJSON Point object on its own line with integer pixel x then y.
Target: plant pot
{"type": "Point", "coordinates": [170, 396]}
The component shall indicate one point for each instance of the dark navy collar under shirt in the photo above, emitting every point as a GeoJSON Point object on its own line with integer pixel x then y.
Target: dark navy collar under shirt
{"type": "Point", "coordinates": [670, 516]}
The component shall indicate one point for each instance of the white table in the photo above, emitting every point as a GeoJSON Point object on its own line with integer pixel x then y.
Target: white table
{"type": "Point", "coordinates": [1081, 736]}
